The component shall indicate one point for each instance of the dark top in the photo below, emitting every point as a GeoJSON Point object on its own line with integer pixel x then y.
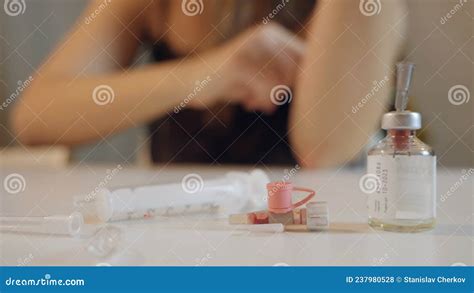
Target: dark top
{"type": "Point", "coordinates": [241, 137]}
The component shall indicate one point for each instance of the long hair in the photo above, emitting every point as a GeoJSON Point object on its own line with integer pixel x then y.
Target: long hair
{"type": "Point", "coordinates": [237, 15]}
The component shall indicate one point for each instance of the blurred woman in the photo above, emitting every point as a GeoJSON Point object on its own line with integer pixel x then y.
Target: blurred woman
{"type": "Point", "coordinates": [233, 81]}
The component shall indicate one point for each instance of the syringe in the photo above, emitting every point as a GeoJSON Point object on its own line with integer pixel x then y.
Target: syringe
{"type": "Point", "coordinates": [233, 191]}
{"type": "Point", "coordinates": [69, 225]}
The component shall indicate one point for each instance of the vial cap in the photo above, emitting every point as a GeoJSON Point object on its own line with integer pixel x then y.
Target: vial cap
{"type": "Point", "coordinates": [401, 120]}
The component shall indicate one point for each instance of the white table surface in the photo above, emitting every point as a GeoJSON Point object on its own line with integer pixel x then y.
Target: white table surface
{"type": "Point", "coordinates": [202, 240]}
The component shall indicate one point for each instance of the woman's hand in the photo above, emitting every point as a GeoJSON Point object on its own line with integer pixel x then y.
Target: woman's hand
{"type": "Point", "coordinates": [255, 62]}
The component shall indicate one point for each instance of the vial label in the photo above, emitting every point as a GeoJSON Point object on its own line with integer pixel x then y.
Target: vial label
{"type": "Point", "coordinates": [405, 187]}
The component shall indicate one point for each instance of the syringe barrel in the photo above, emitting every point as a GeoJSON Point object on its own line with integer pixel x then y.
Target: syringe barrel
{"type": "Point", "coordinates": [177, 198]}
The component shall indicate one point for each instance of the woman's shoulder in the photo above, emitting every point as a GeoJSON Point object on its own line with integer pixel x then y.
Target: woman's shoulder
{"type": "Point", "coordinates": [131, 14]}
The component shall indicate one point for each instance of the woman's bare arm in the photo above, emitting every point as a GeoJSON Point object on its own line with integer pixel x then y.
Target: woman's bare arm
{"type": "Point", "coordinates": [59, 107]}
{"type": "Point", "coordinates": [347, 52]}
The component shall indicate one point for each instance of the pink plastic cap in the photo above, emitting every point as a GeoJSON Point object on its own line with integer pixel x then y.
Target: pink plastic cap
{"type": "Point", "coordinates": [280, 197]}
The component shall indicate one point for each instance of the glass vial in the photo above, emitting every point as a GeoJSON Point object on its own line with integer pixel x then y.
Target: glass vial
{"type": "Point", "coordinates": [404, 169]}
